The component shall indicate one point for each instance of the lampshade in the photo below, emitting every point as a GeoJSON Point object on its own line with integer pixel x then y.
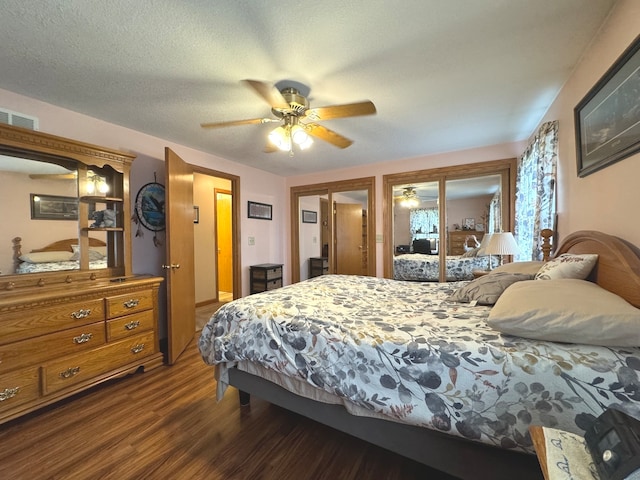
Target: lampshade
{"type": "Point", "coordinates": [501, 244]}
{"type": "Point", "coordinates": [482, 249]}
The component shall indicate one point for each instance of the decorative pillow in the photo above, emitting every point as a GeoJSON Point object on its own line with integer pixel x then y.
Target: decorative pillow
{"type": "Point", "coordinates": [487, 289]}
{"type": "Point", "coordinates": [471, 253]}
{"type": "Point", "coordinates": [93, 255]}
{"type": "Point", "coordinates": [530, 268]}
{"type": "Point", "coordinates": [567, 310]}
{"type": "Point", "coordinates": [99, 250]}
{"type": "Point", "coordinates": [46, 257]}
{"type": "Point", "coordinates": [568, 265]}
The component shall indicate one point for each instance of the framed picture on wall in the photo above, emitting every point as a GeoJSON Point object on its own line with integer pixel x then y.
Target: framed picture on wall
{"type": "Point", "coordinates": [53, 207]}
{"type": "Point", "coordinates": [262, 211]}
{"type": "Point", "coordinates": [309, 216]}
{"type": "Point", "coordinates": [607, 120]}
{"type": "Point", "coordinates": [469, 224]}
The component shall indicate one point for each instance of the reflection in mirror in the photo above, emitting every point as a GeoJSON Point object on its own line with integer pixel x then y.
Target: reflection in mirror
{"type": "Point", "coordinates": [350, 232]}
{"type": "Point", "coordinates": [416, 236]}
{"type": "Point", "coordinates": [39, 197]}
{"type": "Point", "coordinates": [473, 207]}
{"type": "Point", "coordinates": [313, 235]}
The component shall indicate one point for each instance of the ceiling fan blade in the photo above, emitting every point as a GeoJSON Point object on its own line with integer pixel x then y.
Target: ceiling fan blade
{"type": "Point", "coordinates": [270, 148]}
{"type": "Point", "coordinates": [233, 123]}
{"type": "Point", "coordinates": [53, 176]}
{"type": "Point", "coordinates": [327, 135]}
{"type": "Point", "coordinates": [269, 93]}
{"type": "Point", "coordinates": [341, 111]}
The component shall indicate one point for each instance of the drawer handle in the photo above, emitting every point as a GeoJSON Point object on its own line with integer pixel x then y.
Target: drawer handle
{"type": "Point", "coordinates": [8, 393]}
{"type": "Point", "coordinates": [138, 348]}
{"type": "Point", "coordinates": [131, 303]}
{"type": "Point", "coordinates": [83, 338]}
{"type": "Point", "coordinates": [131, 325]}
{"type": "Point", "coordinates": [82, 313]}
{"type": "Point", "coordinates": [69, 372]}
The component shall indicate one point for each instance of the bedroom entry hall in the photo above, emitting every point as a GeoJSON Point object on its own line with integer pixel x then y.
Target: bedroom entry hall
{"type": "Point", "coordinates": [202, 254]}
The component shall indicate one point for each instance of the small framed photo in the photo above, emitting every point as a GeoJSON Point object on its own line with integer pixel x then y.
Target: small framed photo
{"type": "Point", "coordinates": [261, 211]}
{"type": "Point", "coordinates": [469, 223]}
{"type": "Point", "coordinates": [196, 214]}
{"type": "Point", "coordinates": [309, 216]}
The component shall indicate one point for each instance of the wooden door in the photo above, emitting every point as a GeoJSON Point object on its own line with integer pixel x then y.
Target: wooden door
{"type": "Point", "coordinates": [224, 240]}
{"type": "Point", "coordinates": [348, 238]}
{"type": "Point", "coordinates": [181, 294]}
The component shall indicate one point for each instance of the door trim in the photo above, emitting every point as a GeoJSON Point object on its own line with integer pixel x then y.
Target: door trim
{"type": "Point", "coordinates": [235, 227]}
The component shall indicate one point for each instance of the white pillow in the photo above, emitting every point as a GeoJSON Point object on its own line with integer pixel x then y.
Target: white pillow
{"type": "Point", "coordinates": [93, 255]}
{"type": "Point", "coordinates": [568, 265]}
{"type": "Point", "coordinates": [46, 257]}
{"type": "Point", "coordinates": [566, 310]}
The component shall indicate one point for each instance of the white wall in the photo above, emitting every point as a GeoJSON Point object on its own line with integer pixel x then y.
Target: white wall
{"type": "Point", "coordinates": [255, 184]}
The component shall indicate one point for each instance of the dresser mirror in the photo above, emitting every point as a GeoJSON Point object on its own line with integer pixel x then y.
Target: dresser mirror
{"type": "Point", "coordinates": [64, 208]}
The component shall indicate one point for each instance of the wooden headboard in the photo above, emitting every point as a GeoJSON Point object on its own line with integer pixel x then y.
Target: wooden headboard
{"type": "Point", "coordinates": [59, 246]}
{"type": "Point", "coordinates": [618, 267]}
{"type": "Point", "coordinates": [65, 245]}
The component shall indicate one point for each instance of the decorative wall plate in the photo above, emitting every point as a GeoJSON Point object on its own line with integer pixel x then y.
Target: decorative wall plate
{"type": "Point", "coordinates": [150, 206]}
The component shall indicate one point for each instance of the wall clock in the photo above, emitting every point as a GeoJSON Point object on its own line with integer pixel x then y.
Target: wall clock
{"type": "Point", "coordinates": [150, 206]}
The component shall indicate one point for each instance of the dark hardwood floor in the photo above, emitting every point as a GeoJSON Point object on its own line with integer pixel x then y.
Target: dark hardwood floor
{"type": "Point", "coordinates": [166, 424]}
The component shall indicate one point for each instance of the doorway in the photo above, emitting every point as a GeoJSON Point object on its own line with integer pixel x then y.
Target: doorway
{"type": "Point", "coordinates": [196, 223]}
{"type": "Point", "coordinates": [224, 243]}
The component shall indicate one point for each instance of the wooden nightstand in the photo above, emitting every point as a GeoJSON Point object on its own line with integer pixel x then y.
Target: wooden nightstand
{"type": "Point", "coordinates": [266, 276]}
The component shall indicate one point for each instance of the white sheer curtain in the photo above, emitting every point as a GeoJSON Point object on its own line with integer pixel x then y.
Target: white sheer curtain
{"type": "Point", "coordinates": [536, 181]}
{"type": "Point", "coordinates": [423, 220]}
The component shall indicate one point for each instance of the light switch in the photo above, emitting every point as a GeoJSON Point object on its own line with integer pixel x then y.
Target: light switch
{"type": "Point", "coordinates": [252, 240]}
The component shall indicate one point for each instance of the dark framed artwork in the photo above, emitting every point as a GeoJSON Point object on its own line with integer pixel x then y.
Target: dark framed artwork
{"type": "Point", "coordinates": [53, 207]}
{"type": "Point", "coordinates": [262, 211]}
{"type": "Point", "coordinates": [196, 214]}
{"type": "Point", "coordinates": [309, 216]}
{"type": "Point", "coordinates": [607, 119]}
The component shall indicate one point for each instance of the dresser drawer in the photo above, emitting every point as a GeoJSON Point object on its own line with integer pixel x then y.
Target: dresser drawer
{"type": "Point", "coordinates": [85, 367]}
{"type": "Point", "coordinates": [18, 387]}
{"type": "Point", "coordinates": [261, 286]}
{"type": "Point", "coordinates": [36, 350]}
{"type": "Point", "coordinates": [267, 273]}
{"type": "Point", "coordinates": [33, 322]}
{"type": "Point", "coordinates": [129, 303]}
{"type": "Point", "coordinates": [129, 325]}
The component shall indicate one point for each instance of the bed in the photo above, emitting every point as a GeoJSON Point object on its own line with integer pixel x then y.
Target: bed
{"type": "Point", "coordinates": [59, 255]}
{"type": "Point", "coordinates": [401, 365]}
{"type": "Point", "coordinates": [419, 267]}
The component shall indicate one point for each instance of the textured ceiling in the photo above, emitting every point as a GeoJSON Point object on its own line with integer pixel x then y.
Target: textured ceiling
{"type": "Point", "coordinates": [444, 75]}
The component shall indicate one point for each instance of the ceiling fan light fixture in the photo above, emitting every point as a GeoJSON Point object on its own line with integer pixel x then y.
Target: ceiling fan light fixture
{"type": "Point", "coordinates": [280, 138]}
{"type": "Point", "coordinates": [300, 137]}
{"type": "Point", "coordinates": [409, 198]}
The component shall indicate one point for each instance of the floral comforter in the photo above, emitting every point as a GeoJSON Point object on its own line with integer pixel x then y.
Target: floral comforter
{"type": "Point", "coordinates": [419, 267]}
{"type": "Point", "coordinates": [26, 267]}
{"type": "Point", "coordinates": [403, 350]}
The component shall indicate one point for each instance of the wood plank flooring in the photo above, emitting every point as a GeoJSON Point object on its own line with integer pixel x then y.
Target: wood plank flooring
{"type": "Point", "coordinates": [166, 424]}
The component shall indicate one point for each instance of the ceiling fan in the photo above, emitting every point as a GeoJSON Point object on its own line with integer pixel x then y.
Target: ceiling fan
{"type": "Point", "coordinates": [297, 120]}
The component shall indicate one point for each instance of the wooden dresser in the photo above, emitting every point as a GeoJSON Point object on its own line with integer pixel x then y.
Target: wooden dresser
{"type": "Point", "coordinates": [456, 240]}
{"type": "Point", "coordinates": [59, 341]}
{"type": "Point", "coordinates": [76, 323]}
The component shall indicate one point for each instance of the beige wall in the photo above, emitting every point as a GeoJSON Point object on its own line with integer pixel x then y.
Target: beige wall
{"type": "Point", "coordinates": [606, 200]}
